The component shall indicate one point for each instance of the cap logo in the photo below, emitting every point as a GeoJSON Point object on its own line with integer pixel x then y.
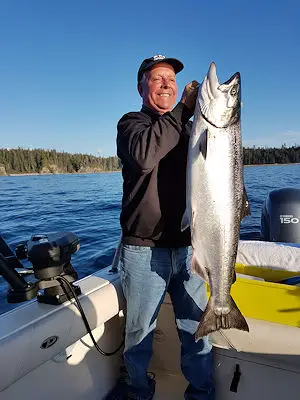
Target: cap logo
{"type": "Point", "coordinates": [158, 57]}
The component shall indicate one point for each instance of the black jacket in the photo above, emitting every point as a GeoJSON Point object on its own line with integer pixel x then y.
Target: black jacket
{"type": "Point", "coordinates": [153, 151]}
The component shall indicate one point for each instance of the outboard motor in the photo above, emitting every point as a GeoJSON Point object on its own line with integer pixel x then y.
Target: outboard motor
{"type": "Point", "coordinates": [280, 218]}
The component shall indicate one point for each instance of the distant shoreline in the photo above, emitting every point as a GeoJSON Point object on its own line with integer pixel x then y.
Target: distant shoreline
{"type": "Point", "coordinates": [61, 173]}
{"type": "Point", "coordinates": [103, 172]}
{"type": "Point", "coordinates": [269, 165]}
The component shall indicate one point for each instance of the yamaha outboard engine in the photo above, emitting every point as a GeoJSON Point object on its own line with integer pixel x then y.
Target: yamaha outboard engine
{"type": "Point", "coordinates": [280, 218]}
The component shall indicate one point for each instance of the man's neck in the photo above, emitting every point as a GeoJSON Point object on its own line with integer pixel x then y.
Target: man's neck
{"type": "Point", "coordinates": [151, 110]}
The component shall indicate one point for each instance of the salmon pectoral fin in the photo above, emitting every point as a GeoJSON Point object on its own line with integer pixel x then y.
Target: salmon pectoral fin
{"type": "Point", "coordinates": [211, 322]}
{"type": "Point", "coordinates": [198, 270]}
{"type": "Point", "coordinates": [245, 205]}
{"type": "Point", "coordinates": [185, 222]}
{"type": "Point", "coordinates": [203, 144]}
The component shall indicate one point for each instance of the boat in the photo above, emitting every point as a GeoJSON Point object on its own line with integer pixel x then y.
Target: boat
{"type": "Point", "coordinates": [46, 351]}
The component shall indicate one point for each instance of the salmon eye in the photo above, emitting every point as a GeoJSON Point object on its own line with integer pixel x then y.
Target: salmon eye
{"type": "Point", "coordinates": [234, 91]}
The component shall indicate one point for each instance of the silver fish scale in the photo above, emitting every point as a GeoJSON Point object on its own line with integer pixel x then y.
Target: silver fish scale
{"type": "Point", "coordinates": [216, 193]}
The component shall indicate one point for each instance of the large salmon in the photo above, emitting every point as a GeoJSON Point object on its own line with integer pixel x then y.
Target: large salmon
{"type": "Point", "coordinates": [216, 200]}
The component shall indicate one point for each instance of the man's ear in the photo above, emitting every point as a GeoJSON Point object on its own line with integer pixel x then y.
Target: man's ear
{"type": "Point", "coordinates": [140, 89]}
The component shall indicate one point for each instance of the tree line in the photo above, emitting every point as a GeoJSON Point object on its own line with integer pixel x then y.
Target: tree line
{"type": "Point", "coordinates": [25, 161]}
{"type": "Point", "coordinates": [263, 155]}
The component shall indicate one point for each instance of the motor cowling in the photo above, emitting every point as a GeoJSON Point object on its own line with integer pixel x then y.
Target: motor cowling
{"type": "Point", "coordinates": [280, 218]}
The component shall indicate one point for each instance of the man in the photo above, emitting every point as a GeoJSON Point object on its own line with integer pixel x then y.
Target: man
{"type": "Point", "coordinates": [152, 145]}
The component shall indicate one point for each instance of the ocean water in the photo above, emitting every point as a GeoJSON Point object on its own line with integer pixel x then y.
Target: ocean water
{"type": "Point", "coordinates": [89, 206]}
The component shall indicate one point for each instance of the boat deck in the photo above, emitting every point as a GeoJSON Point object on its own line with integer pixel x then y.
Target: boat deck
{"type": "Point", "coordinates": [169, 386]}
{"type": "Point", "coordinates": [258, 381]}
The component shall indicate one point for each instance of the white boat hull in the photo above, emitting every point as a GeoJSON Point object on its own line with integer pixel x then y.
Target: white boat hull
{"type": "Point", "coordinates": [71, 369]}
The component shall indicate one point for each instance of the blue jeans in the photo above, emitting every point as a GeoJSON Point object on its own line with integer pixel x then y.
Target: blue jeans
{"type": "Point", "coordinates": [146, 275]}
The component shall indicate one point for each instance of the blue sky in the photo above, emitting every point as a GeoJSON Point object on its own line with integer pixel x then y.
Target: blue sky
{"type": "Point", "coordinates": [68, 67]}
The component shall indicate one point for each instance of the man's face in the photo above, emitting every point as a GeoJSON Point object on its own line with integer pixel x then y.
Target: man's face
{"type": "Point", "coordinates": [158, 88]}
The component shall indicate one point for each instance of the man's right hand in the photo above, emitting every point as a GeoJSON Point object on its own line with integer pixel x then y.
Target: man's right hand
{"type": "Point", "coordinates": [189, 95]}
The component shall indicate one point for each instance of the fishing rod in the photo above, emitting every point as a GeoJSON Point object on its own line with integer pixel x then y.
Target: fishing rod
{"type": "Point", "coordinates": [116, 259]}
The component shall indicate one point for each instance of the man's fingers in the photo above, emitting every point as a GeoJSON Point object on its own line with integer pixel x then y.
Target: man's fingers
{"type": "Point", "coordinates": [194, 84]}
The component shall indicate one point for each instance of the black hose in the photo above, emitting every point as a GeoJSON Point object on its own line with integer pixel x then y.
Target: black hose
{"type": "Point", "coordinates": [62, 280]}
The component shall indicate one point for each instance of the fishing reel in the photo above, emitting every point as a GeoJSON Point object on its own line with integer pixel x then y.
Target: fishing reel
{"type": "Point", "coordinates": [50, 256]}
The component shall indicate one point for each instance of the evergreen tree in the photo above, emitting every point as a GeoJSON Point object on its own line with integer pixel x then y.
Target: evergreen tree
{"type": "Point", "coordinates": [38, 160]}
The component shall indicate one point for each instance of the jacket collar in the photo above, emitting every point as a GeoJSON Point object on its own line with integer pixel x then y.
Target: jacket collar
{"type": "Point", "coordinates": [150, 111]}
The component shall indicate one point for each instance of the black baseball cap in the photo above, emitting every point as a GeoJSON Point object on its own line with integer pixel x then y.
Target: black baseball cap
{"type": "Point", "coordinates": [158, 58]}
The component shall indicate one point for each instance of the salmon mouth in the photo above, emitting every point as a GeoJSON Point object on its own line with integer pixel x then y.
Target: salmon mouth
{"type": "Point", "coordinates": [236, 76]}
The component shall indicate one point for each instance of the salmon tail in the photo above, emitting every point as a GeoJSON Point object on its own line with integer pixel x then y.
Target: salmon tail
{"type": "Point", "coordinates": [211, 322]}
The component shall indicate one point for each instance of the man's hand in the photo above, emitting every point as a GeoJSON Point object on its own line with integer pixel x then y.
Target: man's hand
{"type": "Point", "coordinates": [189, 95]}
